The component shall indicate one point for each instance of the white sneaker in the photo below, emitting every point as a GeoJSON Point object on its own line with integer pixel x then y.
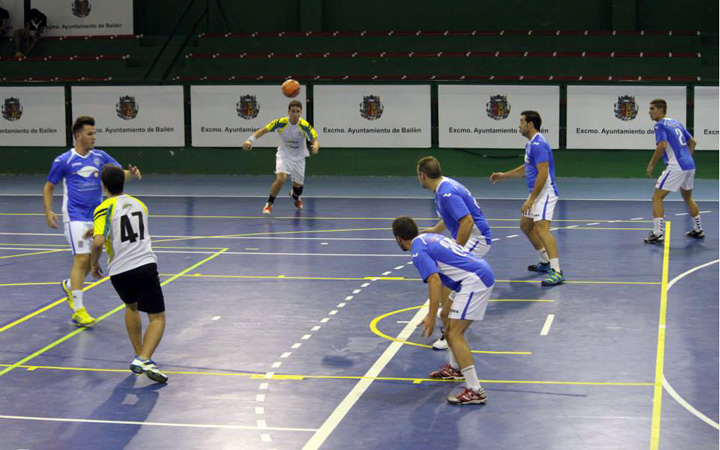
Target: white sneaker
{"type": "Point", "coordinates": [440, 344]}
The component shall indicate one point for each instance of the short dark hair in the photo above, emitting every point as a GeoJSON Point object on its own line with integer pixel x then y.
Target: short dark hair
{"type": "Point", "coordinates": [80, 122]}
{"type": "Point", "coordinates": [405, 227]}
{"type": "Point", "coordinates": [295, 103]}
{"type": "Point", "coordinates": [660, 104]}
{"type": "Point", "coordinates": [532, 117]}
{"type": "Point", "coordinates": [430, 166]}
{"type": "Point", "coordinates": [113, 177]}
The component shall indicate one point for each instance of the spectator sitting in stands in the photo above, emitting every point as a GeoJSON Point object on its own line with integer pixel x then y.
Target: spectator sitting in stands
{"type": "Point", "coordinates": [4, 22]}
{"type": "Point", "coordinates": [30, 35]}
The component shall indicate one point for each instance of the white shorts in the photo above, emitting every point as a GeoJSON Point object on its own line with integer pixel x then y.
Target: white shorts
{"type": "Point", "coordinates": [477, 247]}
{"type": "Point", "coordinates": [74, 232]}
{"type": "Point", "coordinates": [674, 179]}
{"type": "Point", "coordinates": [544, 206]}
{"type": "Point", "coordinates": [471, 301]}
{"type": "Point", "coordinates": [293, 167]}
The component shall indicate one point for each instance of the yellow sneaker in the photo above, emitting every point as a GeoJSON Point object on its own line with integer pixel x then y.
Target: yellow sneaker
{"type": "Point", "coordinates": [82, 318]}
{"type": "Point", "coordinates": [65, 285]}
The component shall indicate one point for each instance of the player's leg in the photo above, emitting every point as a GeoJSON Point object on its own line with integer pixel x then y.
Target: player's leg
{"type": "Point", "coordinates": [280, 178]}
{"type": "Point", "coordinates": [555, 275]}
{"type": "Point", "coordinates": [686, 189]}
{"type": "Point", "coordinates": [443, 313]}
{"type": "Point", "coordinates": [133, 325]}
{"type": "Point", "coordinates": [297, 176]}
{"type": "Point", "coordinates": [153, 335]}
{"type": "Point", "coordinates": [527, 225]}
{"type": "Point", "coordinates": [657, 235]}
{"type": "Point", "coordinates": [73, 287]}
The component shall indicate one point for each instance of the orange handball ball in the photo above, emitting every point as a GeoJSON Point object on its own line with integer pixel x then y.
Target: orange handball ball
{"type": "Point", "coordinates": [290, 88]}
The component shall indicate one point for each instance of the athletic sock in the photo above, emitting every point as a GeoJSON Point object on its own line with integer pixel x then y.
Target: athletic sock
{"type": "Point", "coordinates": [555, 264]}
{"type": "Point", "coordinates": [453, 362]}
{"type": "Point", "coordinates": [271, 200]}
{"type": "Point", "coordinates": [471, 379]}
{"type": "Point", "coordinates": [658, 225]}
{"type": "Point", "coordinates": [697, 226]}
{"type": "Point", "coordinates": [77, 299]}
{"type": "Point", "coordinates": [542, 253]}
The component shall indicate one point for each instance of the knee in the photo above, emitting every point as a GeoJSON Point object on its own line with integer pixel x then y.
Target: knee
{"type": "Point", "coordinates": [658, 195]}
{"type": "Point", "coordinates": [281, 178]}
{"type": "Point", "coordinates": [527, 227]}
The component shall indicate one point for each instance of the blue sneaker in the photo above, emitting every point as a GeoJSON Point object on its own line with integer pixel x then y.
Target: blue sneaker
{"type": "Point", "coordinates": [540, 267]}
{"type": "Point", "coordinates": [553, 279]}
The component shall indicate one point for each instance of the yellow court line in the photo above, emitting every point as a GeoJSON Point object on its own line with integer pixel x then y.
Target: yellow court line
{"type": "Point", "coordinates": [374, 329]}
{"type": "Point", "coordinates": [33, 253]}
{"type": "Point", "coordinates": [45, 308]}
{"type": "Point", "coordinates": [287, 277]}
{"type": "Point", "coordinates": [660, 357]}
{"type": "Point", "coordinates": [291, 377]}
{"type": "Point", "coordinates": [100, 319]}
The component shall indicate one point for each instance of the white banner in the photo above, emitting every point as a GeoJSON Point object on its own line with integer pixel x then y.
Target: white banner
{"type": "Point", "coordinates": [224, 116]}
{"type": "Point", "coordinates": [86, 17]}
{"type": "Point", "coordinates": [32, 116]}
{"type": "Point", "coordinates": [473, 116]}
{"type": "Point", "coordinates": [706, 117]}
{"type": "Point", "coordinates": [373, 116]}
{"type": "Point", "coordinates": [16, 10]}
{"type": "Point", "coordinates": [133, 116]}
{"type": "Point", "coordinates": [616, 117]}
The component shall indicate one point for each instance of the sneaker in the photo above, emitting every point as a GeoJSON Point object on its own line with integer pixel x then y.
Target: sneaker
{"type": "Point", "coordinates": [655, 239]}
{"type": "Point", "coordinates": [440, 344]}
{"type": "Point", "coordinates": [468, 397]}
{"type": "Point", "coordinates": [446, 372]}
{"type": "Point", "coordinates": [697, 234]}
{"type": "Point", "coordinates": [298, 203]}
{"type": "Point", "coordinates": [540, 267]}
{"type": "Point", "coordinates": [65, 285]}
{"type": "Point", "coordinates": [82, 318]}
{"type": "Point", "coordinates": [149, 368]}
{"type": "Point", "coordinates": [267, 210]}
{"type": "Point", "coordinates": [553, 279]}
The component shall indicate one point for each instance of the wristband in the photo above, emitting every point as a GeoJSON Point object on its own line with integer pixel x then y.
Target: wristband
{"type": "Point", "coordinates": [251, 138]}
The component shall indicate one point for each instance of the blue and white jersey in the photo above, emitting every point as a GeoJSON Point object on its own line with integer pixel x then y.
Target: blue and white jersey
{"type": "Point", "coordinates": [677, 154]}
{"type": "Point", "coordinates": [434, 253]}
{"type": "Point", "coordinates": [453, 201]}
{"type": "Point", "coordinates": [537, 150]}
{"type": "Point", "coordinates": [82, 189]}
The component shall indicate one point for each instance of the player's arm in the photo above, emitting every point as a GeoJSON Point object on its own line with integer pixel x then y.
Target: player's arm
{"type": "Point", "coordinates": [692, 143]}
{"type": "Point", "coordinates": [97, 246]}
{"type": "Point", "coordinates": [465, 227]}
{"type": "Point", "coordinates": [247, 145]}
{"type": "Point", "coordinates": [657, 154]}
{"type": "Point", "coordinates": [517, 172]}
{"type": "Point", "coordinates": [133, 172]}
{"type": "Point", "coordinates": [315, 147]}
{"type": "Point", "coordinates": [438, 228]}
{"type": "Point", "coordinates": [435, 294]}
{"type": "Point", "coordinates": [50, 216]}
{"type": "Point", "coordinates": [543, 169]}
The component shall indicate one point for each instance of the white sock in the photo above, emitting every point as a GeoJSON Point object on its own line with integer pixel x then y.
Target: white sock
{"type": "Point", "coordinates": [658, 225]}
{"type": "Point", "coordinates": [542, 253]}
{"type": "Point", "coordinates": [77, 299]}
{"type": "Point", "coordinates": [471, 379]}
{"type": "Point", "coordinates": [453, 362]}
{"type": "Point", "coordinates": [697, 226]}
{"type": "Point", "coordinates": [555, 264]}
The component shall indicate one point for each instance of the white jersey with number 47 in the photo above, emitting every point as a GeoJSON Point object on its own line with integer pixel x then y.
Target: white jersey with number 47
{"type": "Point", "coordinates": [123, 220]}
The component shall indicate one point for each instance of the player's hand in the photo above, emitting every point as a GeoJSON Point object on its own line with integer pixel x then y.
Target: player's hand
{"type": "Point", "coordinates": [315, 148]}
{"type": "Point", "coordinates": [89, 233]}
{"type": "Point", "coordinates": [135, 172]}
{"type": "Point", "coordinates": [97, 272]}
{"type": "Point", "coordinates": [428, 325]}
{"type": "Point", "coordinates": [247, 145]}
{"type": "Point", "coordinates": [527, 206]}
{"type": "Point", "coordinates": [649, 170]}
{"type": "Point", "coordinates": [497, 176]}
{"type": "Point", "coordinates": [51, 218]}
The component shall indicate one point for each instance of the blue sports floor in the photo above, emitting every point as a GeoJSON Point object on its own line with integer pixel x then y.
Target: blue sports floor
{"type": "Point", "coordinates": [298, 331]}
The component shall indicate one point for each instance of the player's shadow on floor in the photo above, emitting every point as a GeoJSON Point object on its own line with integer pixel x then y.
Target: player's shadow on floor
{"type": "Point", "coordinates": [126, 403]}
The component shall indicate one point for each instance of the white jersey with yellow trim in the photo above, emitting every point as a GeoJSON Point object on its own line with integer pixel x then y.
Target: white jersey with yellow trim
{"type": "Point", "coordinates": [293, 138]}
{"type": "Point", "coordinates": [123, 220]}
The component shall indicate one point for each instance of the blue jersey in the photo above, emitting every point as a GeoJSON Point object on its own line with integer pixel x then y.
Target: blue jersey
{"type": "Point", "coordinates": [82, 190]}
{"type": "Point", "coordinates": [537, 150]}
{"type": "Point", "coordinates": [434, 253]}
{"type": "Point", "coordinates": [453, 201]}
{"type": "Point", "coordinates": [677, 154]}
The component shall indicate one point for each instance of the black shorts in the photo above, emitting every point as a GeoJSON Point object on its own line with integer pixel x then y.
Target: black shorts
{"type": "Point", "coordinates": [141, 285]}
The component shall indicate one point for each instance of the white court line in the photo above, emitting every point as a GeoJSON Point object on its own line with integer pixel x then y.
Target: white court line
{"type": "Point", "coordinates": [637, 218]}
{"type": "Point", "coordinates": [296, 345]}
{"type": "Point", "coordinates": [276, 364]}
{"type": "Point", "coordinates": [155, 424]}
{"type": "Point", "coordinates": [315, 328]}
{"type": "Point", "coordinates": [307, 336]}
{"type": "Point", "coordinates": [548, 324]}
{"type": "Point", "coordinates": [665, 382]}
{"type": "Point", "coordinates": [594, 223]}
{"type": "Point", "coordinates": [399, 267]}
{"type": "Point", "coordinates": [261, 423]}
{"type": "Point", "coordinates": [286, 355]}
{"type": "Point", "coordinates": [340, 305]}
{"type": "Point", "coordinates": [512, 236]}
{"type": "Point", "coordinates": [364, 285]}
{"type": "Point", "coordinates": [324, 320]}
{"type": "Point", "coordinates": [350, 297]}
{"type": "Point", "coordinates": [356, 291]}
{"type": "Point", "coordinates": [344, 407]}
{"type": "Point", "coordinates": [216, 318]}
{"type": "Point", "coordinates": [203, 252]}
{"type": "Point", "coordinates": [705, 212]}
{"type": "Point", "coordinates": [682, 214]}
